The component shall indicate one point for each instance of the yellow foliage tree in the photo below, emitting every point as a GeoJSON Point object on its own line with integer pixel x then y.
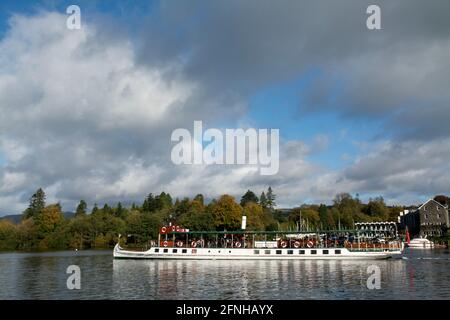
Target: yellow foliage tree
{"type": "Point", "coordinates": [49, 219]}
{"type": "Point", "coordinates": [227, 213]}
{"type": "Point", "coordinates": [255, 216]}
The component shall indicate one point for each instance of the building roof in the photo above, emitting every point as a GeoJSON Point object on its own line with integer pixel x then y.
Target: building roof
{"type": "Point", "coordinates": [432, 201]}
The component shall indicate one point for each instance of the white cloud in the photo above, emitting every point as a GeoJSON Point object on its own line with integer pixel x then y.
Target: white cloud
{"type": "Point", "coordinates": [80, 118]}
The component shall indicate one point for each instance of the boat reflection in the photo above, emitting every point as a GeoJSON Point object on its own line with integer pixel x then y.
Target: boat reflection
{"type": "Point", "coordinates": [282, 279]}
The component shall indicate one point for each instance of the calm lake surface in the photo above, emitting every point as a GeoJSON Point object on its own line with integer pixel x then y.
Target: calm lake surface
{"type": "Point", "coordinates": [419, 275]}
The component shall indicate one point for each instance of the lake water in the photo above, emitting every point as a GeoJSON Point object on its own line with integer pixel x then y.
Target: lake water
{"type": "Point", "coordinates": [419, 275]}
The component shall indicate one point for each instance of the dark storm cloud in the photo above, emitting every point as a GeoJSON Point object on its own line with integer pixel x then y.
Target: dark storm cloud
{"type": "Point", "coordinates": [245, 45]}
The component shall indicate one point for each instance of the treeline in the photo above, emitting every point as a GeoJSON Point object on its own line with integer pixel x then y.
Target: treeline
{"type": "Point", "coordinates": [44, 227]}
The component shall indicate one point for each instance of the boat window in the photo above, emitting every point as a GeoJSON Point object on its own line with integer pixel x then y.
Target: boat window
{"type": "Point", "coordinates": [301, 251]}
{"type": "Point", "coordinates": [337, 251]}
{"type": "Point", "coordinates": [290, 251]}
{"type": "Point", "coordinates": [166, 250]}
{"type": "Point", "coordinates": [175, 250]}
{"type": "Point", "coordinates": [256, 251]}
{"type": "Point", "coordinates": [156, 250]}
{"type": "Point", "coordinates": [267, 251]}
{"type": "Point", "coordinates": [184, 251]}
{"type": "Point", "coordinates": [325, 251]}
{"type": "Point", "coordinates": [313, 251]}
{"type": "Point", "coordinates": [278, 251]}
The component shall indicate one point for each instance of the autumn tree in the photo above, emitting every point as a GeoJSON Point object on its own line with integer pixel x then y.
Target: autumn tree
{"type": "Point", "coordinates": [227, 214]}
{"type": "Point", "coordinates": [255, 216]}
{"type": "Point", "coordinates": [199, 197]}
{"type": "Point", "coordinates": [8, 235]}
{"type": "Point", "coordinates": [376, 208]}
{"type": "Point", "coordinates": [49, 219]}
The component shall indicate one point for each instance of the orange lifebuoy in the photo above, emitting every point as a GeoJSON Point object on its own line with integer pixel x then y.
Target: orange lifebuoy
{"type": "Point", "coordinates": [297, 244]}
{"type": "Point", "coordinates": [283, 244]}
{"type": "Point", "coordinates": [194, 244]}
{"type": "Point", "coordinates": [179, 243]}
{"type": "Point", "coordinates": [237, 244]}
{"type": "Point", "coordinates": [174, 229]}
{"type": "Point", "coordinates": [165, 243]}
{"type": "Point", "coordinates": [310, 244]}
{"type": "Point", "coordinates": [163, 229]}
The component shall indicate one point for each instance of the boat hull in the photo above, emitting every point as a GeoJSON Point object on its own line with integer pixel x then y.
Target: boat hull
{"type": "Point", "coordinates": [250, 254]}
{"type": "Point", "coordinates": [420, 244]}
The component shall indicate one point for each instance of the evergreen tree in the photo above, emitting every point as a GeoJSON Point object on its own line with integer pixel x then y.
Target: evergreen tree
{"type": "Point", "coordinates": [81, 209]}
{"type": "Point", "coordinates": [263, 200]}
{"type": "Point", "coordinates": [119, 210]}
{"type": "Point", "coordinates": [249, 196]}
{"type": "Point", "coordinates": [106, 209]}
{"type": "Point", "coordinates": [94, 209]}
{"type": "Point", "coordinates": [271, 198]}
{"type": "Point", "coordinates": [37, 204]}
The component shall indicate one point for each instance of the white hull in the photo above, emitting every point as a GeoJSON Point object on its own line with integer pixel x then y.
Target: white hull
{"type": "Point", "coordinates": [250, 254]}
{"type": "Point", "coordinates": [421, 243]}
{"type": "Point", "coordinates": [421, 246]}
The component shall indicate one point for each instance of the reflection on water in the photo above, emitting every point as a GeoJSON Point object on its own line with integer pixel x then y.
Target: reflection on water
{"type": "Point", "coordinates": [190, 279]}
{"type": "Point", "coordinates": [419, 275]}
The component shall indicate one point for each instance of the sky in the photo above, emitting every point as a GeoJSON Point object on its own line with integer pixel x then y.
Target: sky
{"type": "Point", "coordinates": [88, 114]}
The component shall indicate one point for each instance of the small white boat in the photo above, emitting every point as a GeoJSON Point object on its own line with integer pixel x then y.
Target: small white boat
{"type": "Point", "coordinates": [420, 243]}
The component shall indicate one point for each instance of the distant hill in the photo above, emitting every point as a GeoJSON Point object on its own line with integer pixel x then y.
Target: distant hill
{"type": "Point", "coordinates": [16, 218]}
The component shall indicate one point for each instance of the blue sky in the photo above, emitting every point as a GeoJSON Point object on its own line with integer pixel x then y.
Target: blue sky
{"type": "Point", "coordinates": [363, 104]}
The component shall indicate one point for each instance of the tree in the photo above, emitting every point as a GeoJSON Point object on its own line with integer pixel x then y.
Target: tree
{"type": "Point", "coordinates": [347, 209]}
{"type": "Point", "coordinates": [120, 211]}
{"type": "Point", "coordinates": [326, 218]}
{"type": "Point", "coordinates": [107, 209]}
{"type": "Point", "coordinates": [94, 209]}
{"type": "Point", "coordinates": [377, 209]}
{"type": "Point", "coordinates": [263, 200]}
{"type": "Point", "coordinates": [271, 198]}
{"type": "Point", "coordinates": [227, 214]}
{"type": "Point", "coordinates": [81, 209]}
{"type": "Point", "coordinates": [8, 235]}
{"type": "Point", "coordinates": [255, 216]}
{"type": "Point", "coordinates": [442, 199]}
{"type": "Point", "coordinates": [182, 208]}
{"type": "Point", "coordinates": [49, 219]}
{"type": "Point", "coordinates": [199, 197]}
{"type": "Point", "coordinates": [37, 204]}
{"type": "Point", "coordinates": [249, 196]}
{"type": "Point", "coordinates": [309, 217]}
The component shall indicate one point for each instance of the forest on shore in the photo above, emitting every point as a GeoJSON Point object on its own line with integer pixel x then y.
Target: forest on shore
{"type": "Point", "coordinates": [44, 227]}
